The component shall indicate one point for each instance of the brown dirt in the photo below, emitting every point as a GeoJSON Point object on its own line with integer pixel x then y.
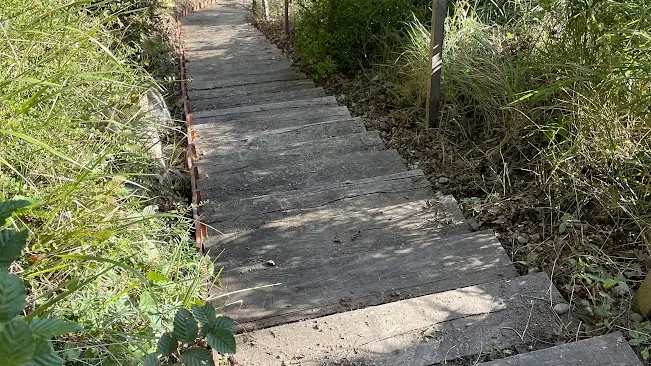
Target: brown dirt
{"type": "Point", "coordinates": [502, 193]}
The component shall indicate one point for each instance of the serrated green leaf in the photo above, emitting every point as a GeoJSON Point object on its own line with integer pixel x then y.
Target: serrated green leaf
{"type": "Point", "coordinates": [50, 327]}
{"type": "Point", "coordinates": [12, 296]}
{"type": "Point", "coordinates": [167, 344]}
{"type": "Point", "coordinates": [12, 243]}
{"type": "Point", "coordinates": [7, 208]}
{"type": "Point", "coordinates": [185, 327]}
{"type": "Point", "coordinates": [16, 342]}
{"type": "Point", "coordinates": [221, 340]}
{"type": "Point", "coordinates": [195, 356]}
{"type": "Point", "coordinates": [44, 355]}
{"type": "Point", "coordinates": [224, 323]}
{"type": "Point", "coordinates": [204, 314]}
{"type": "Point", "coordinates": [151, 360]}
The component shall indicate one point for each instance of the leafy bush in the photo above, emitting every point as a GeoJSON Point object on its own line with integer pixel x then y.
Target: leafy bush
{"type": "Point", "coordinates": [217, 332]}
{"type": "Point", "coordinates": [23, 340]}
{"type": "Point", "coordinates": [347, 34]}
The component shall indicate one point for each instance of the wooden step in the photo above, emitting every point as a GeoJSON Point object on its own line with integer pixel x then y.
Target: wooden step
{"type": "Point", "coordinates": [239, 53]}
{"type": "Point", "coordinates": [350, 219]}
{"type": "Point", "coordinates": [607, 350]}
{"type": "Point", "coordinates": [256, 99]}
{"type": "Point", "coordinates": [236, 80]}
{"type": "Point", "coordinates": [221, 144]}
{"type": "Point", "coordinates": [250, 90]}
{"type": "Point", "coordinates": [219, 187]}
{"type": "Point", "coordinates": [350, 196]}
{"type": "Point", "coordinates": [256, 159]}
{"type": "Point", "coordinates": [228, 126]}
{"type": "Point", "coordinates": [427, 330]}
{"type": "Point", "coordinates": [266, 109]}
{"type": "Point", "coordinates": [217, 66]}
{"type": "Point", "coordinates": [313, 281]}
{"type": "Point", "coordinates": [224, 71]}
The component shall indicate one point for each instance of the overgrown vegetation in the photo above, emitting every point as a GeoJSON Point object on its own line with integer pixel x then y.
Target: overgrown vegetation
{"type": "Point", "coordinates": [109, 243]}
{"type": "Point", "coordinates": [544, 126]}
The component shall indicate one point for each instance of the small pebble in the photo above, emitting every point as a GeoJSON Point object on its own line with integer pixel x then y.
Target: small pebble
{"type": "Point", "coordinates": [535, 238]}
{"type": "Point", "coordinates": [444, 180]}
{"type": "Point", "coordinates": [474, 225]}
{"type": "Point", "coordinates": [532, 270]}
{"type": "Point", "coordinates": [522, 239]}
{"type": "Point", "coordinates": [561, 308]}
{"type": "Point", "coordinates": [270, 263]}
{"type": "Point", "coordinates": [636, 318]}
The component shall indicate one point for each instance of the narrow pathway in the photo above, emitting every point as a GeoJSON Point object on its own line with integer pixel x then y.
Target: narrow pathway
{"type": "Point", "coordinates": [333, 252]}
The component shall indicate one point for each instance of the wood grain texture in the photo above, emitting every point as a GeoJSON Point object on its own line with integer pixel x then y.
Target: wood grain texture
{"type": "Point", "coordinates": [607, 350]}
{"type": "Point", "coordinates": [421, 331]}
{"type": "Point", "coordinates": [256, 159]}
{"type": "Point", "coordinates": [256, 98]}
{"type": "Point", "coordinates": [281, 178]}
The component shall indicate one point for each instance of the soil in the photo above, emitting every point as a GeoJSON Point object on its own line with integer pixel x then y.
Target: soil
{"type": "Point", "coordinates": [595, 265]}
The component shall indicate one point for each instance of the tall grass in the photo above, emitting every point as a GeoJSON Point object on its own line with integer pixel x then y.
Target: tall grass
{"type": "Point", "coordinates": [567, 88]}
{"type": "Point", "coordinates": [69, 138]}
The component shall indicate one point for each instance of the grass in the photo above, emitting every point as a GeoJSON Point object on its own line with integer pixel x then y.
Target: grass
{"type": "Point", "coordinates": [109, 239]}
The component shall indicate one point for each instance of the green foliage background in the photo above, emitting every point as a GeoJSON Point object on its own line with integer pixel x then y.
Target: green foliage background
{"type": "Point", "coordinates": [71, 75]}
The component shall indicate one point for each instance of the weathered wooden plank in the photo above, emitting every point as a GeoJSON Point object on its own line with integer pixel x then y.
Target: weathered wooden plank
{"type": "Point", "coordinates": [234, 58]}
{"type": "Point", "coordinates": [227, 144]}
{"type": "Point", "coordinates": [312, 282]}
{"type": "Point", "coordinates": [268, 108]}
{"type": "Point", "coordinates": [422, 331]}
{"type": "Point", "coordinates": [343, 227]}
{"type": "Point", "coordinates": [355, 195]}
{"type": "Point", "coordinates": [256, 98]}
{"type": "Point", "coordinates": [256, 159]}
{"type": "Point", "coordinates": [217, 187]}
{"type": "Point", "coordinates": [607, 350]}
{"type": "Point", "coordinates": [230, 70]}
{"type": "Point", "coordinates": [242, 52]}
{"type": "Point", "coordinates": [248, 90]}
{"type": "Point", "coordinates": [227, 126]}
{"type": "Point", "coordinates": [245, 79]}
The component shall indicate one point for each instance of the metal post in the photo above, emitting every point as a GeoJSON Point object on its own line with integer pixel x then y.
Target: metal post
{"type": "Point", "coordinates": [287, 17]}
{"type": "Point", "coordinates": [439, 11]}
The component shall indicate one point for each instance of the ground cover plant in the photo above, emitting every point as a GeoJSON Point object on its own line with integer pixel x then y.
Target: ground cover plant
{"type": "Point", "coordinates": [108, 234]}
{"type": "Point", "coordinates": [544, 126]}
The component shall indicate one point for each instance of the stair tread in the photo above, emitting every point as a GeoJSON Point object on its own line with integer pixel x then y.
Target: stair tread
{"type": "Point", "coordinates": [607, 350]}
{"type": "Point", "coordinates": [420, 331]}
{"type": "Point", "coordinates": [232, 142]}
{"type": "Point", "coordinates": [218, 187]}
{"type": "Point", "coordinates": [227, 126]}
{"type": "Point", "coordinates": [256, 158]}
{"type": "Point", "coordinates": [256, 99]}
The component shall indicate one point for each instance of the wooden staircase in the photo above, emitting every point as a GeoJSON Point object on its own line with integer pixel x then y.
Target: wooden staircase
{"type": "Point", "coordinates": [333, 252]}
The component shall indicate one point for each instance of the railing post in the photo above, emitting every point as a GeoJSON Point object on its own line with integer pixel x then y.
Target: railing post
{"type": "Point", "coordinates": [287, 17]}
{"type": "Point", "coordinates": [439, 11]}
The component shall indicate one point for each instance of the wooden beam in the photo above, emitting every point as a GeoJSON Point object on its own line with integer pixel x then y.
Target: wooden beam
{"type": "Point", "coordinates": [265, 9]}
{"type": "Point", "coordinates": [286, 16]}
{"type": "Point", "coordinates": [439, 11]}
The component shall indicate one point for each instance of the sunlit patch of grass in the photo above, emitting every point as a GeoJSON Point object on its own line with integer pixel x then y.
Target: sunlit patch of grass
{"type": "Point", "coordinates": [69, 138]}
